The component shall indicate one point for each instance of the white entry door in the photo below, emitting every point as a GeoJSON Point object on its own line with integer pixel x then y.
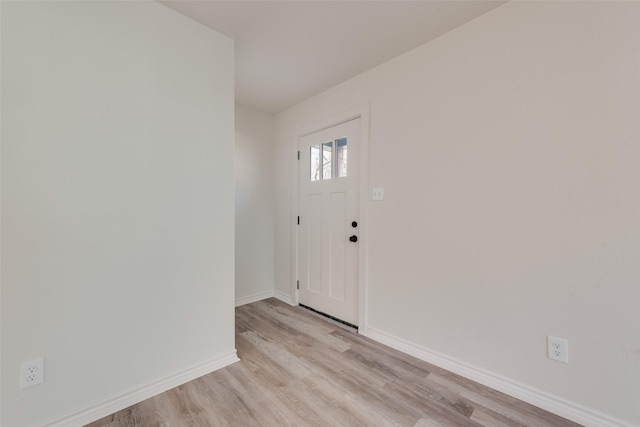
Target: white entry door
{"type": "Point", "coordinates": [328, 230]}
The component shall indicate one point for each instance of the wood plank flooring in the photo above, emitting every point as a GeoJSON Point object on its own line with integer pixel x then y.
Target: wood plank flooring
{"type": "Point", "coordinates": [298, 369]}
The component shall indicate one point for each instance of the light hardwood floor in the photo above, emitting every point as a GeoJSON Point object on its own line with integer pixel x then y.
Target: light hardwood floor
{"type": "Point", "coordinates": [298, 369]}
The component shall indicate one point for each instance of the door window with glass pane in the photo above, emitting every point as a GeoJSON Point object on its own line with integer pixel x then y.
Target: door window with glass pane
{"type": "Point", "coordinates": [328, 160]}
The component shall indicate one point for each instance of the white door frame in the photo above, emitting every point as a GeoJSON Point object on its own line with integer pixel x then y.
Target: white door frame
{"type": "Point", "coordinates": [362, 113]}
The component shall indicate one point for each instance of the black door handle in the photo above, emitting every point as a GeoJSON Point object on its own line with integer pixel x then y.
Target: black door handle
{"type": "Point", "coordinates": [353, 238]}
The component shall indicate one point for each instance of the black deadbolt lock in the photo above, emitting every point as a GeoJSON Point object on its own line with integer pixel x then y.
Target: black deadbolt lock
{"type": "Point", "coordinates": [354, 224]}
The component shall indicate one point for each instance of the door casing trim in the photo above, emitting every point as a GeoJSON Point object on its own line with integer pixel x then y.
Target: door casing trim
{"type": "Point", "coordinates": [361, 112]}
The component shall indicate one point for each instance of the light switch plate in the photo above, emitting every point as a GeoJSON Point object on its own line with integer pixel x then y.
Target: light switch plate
{"type": "Point", "coordinates": [377, 193]}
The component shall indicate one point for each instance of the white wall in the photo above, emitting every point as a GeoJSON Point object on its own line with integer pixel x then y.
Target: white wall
{"type": "Point", "coordinates": [255, 205]}
{"type": "Point", "coordinates": [117, 205]}
{"type": "Point", "coordinates": [508, 151]}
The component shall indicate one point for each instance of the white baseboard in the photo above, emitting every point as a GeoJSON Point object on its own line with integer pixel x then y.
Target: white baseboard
{"type": "Point", "coordinates": [541, 399]}
{"type": "Point", "coordinates": [125, 400]}
{"type": "Point", "coordinates": [284, 297]}
{"type": "Point", "coordinates": [254, 298]}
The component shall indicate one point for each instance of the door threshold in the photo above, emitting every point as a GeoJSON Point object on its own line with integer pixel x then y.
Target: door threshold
{"type": "Point", "coordinates": [328, 316]}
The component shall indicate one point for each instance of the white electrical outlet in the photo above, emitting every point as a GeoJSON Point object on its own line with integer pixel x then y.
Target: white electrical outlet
{"type": "Point", "coordinates": [558, 349]}
{"type": "Point", "coordinates": [31, 373]}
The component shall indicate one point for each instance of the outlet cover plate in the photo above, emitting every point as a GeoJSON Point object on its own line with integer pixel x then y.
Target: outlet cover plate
{"type": "Point", "coordinates": [31, 373]}
{"type": "Point", "coordinates": [558, 349]}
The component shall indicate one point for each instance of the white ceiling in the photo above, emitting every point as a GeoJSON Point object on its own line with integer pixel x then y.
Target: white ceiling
{"type": "Point", "coordinates": [288, 51]}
